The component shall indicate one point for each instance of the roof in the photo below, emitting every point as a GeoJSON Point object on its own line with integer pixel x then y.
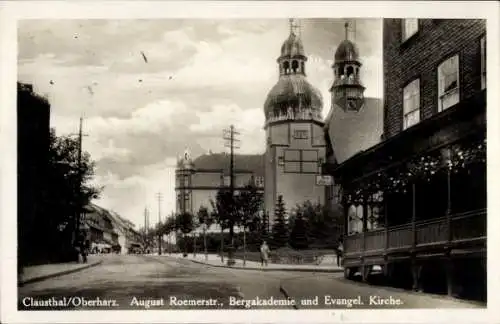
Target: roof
{"type": "Point", "coordinates": [221, 161]}
{"type": "Point", "coordinates": [346, 52]}
{"type": "Point", "coordinates": [293, 90]}
{"type": "Point", "coordinates": [292, 47]}
{"type": "Point", "coordinates": [116, 219]}
{"type": "Point", "coordinates": [351, 132]}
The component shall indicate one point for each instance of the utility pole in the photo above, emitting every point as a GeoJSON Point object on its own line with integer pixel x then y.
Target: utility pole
{"type": "Point", "coordinates": [79, 205]}
{"type": "Point", "coordinates": [146, 227]}
{"type": "Point", "coordinates": [231, 142]}
{"type": "Point", "coordinates": [159, 196]}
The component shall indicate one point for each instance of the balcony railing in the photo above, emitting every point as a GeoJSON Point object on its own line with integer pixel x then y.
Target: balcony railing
{"type": "Point", "coordinates": [460, 228]}
{"type": "Point", "coordinates": [303, 115]}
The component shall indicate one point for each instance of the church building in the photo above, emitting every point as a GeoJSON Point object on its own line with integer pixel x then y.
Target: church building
{"type": "Point", "coordinates": [295, 145]}
{"type": "Point", "coordinates": [298, 139]}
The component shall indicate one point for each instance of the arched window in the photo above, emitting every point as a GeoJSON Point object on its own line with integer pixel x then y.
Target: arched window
{"type": "Point", "coordinates": [295, 66]}
{"type": "Point", "coordinates": [286, 67]}
{"type": "Point", "coordinates": [349, 71]}
{"type": "Point", "coordinates": [302, 67]}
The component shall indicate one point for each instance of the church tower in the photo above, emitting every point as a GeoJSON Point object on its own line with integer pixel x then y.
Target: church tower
{"type": "Point", "coordinates": [347, 90]}
{"type": "Point", "coordinates": [294, 130]}
{"type": "Point", "coordinates": [183, 179]}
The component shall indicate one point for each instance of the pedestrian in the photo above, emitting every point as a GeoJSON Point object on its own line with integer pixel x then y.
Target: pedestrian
{"type": "Point", "coordinates": [340, 250]}
{"type": "Point", "coordinates": [264, 253]}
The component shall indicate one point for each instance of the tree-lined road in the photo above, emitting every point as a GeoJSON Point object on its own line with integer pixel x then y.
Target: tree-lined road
{"type": "Point", "coordinates": [162, 282]}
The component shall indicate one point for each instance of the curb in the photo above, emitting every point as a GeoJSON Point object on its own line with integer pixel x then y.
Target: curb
{"type": "Point", "coordinates": [57, 274]}
{"type": "Point", "coordinates": [268, 269]}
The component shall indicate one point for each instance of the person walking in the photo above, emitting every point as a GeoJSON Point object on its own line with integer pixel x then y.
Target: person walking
{"type": "Point", "coordinates": [264, 253]}
{"type": "Point", "coordinates": [340, 251]}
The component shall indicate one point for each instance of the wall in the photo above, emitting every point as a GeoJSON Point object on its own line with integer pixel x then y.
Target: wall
{"type": "Point", "coordinates": [204, 185]}
{"type": "Point", "coordinates": [420, 56]}
{"type": "Point", "coordinates": [284, 177]}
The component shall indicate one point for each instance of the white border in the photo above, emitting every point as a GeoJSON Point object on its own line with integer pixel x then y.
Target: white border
{"type": "Point", "coordinates": [10, 12]}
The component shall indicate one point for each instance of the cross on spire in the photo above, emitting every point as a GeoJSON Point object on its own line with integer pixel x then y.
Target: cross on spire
{"type": "Point", "coordinates": [346, 26]}
{"type": "Point", "coordinates": [294, 27]}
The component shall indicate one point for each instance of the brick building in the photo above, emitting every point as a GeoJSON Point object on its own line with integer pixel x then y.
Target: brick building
{"type": "Point", "coordinates": [420, 194]}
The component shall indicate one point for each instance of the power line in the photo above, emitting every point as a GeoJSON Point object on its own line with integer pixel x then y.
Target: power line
{"type": "Point", "coordinates": [79, 210]}
{"type": "Point", "coordinates": [229, 136]}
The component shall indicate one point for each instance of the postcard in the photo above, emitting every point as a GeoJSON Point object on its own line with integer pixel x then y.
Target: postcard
{"type": "Point", "coordinates": [248, 161]}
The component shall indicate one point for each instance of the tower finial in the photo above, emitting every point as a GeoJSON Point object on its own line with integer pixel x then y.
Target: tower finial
{"type": "Point", "coordinates": [294, 27]}
{"type": "Point", "coordinates": [346, 25]}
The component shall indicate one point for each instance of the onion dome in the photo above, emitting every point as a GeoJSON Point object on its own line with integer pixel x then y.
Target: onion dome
{"type": "Point", "coordinates": [292, 95]}
{"type": "Point", "coordinates": [293, 91]}
{"type": "Point", "coordinates": [292, 47]}
{"type": "Point", "coordinates": [346, 52]}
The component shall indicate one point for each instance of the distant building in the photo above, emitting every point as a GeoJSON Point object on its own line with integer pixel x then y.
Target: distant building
{"type": "Point", "coordinates": [33, 133]}
{"type": "Point", "coordinates": [198, 181]}
{"type": "Point", "coordinates": [102, 232]}
{"type": "Point", "coordinates": [415, 204]}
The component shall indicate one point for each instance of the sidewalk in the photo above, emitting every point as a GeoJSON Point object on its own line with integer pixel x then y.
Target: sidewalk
{"type": "Point", "coordinates": [214, 260]}
{"type": "Point", "coordinates": [46, 271]}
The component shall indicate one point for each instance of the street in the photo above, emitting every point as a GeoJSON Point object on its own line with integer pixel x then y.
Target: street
{"type": "Point", "coordinates": [163, 282]}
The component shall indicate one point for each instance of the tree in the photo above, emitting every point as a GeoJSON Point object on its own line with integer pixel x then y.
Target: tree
{"type": "Point", "coordinates": [184, 222]}
{"type": "Point", "coordinates": [324, 224]}
{"type": "Point", "coordinates": [280, 228]}
{"type": "Point", "coordinates": [70, 186]}
{"type": "Point", "coordinates": [169, 227]}
{"type": "Point", "coordinates": [223, 213]}
{"type": "Point", "coordinates": [205, 219]}
{"type": "Point", "coordinates": [298, 234]}
{"type": "Point", "coordinates": [248, 203]}
{"type": "Point", "coordinates": [264, 225]}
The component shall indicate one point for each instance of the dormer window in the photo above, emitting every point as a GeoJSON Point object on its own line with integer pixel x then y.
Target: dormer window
{"type": "Point", "coordinates": [409, 28]}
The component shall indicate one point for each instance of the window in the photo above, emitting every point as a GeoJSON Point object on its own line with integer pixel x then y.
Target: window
{"type": "Point", "coordinates": [411, 104]}
{"type": "Point", "coordinates": [259, 181]}
{"type": "Point", "coordinates": [301, 161]}
{"type": "Point", "coordinates": [448, 83]}
{"type": "Point", "coordinates": [483, 62]}
{"type": "Point", "coordinates": [292, 166]}
{"type": "Point", "coordinates": [292, 155]}
{"type": "Point", "coordinates": [409, 28]}
{"type": "Point", "coordinates": [310, 155]}
{"type": "Point", "coordinates": [300, 134]}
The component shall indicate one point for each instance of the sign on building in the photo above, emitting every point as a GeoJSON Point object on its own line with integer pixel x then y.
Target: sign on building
{"type": "Point", "coordinates": [324, 180]}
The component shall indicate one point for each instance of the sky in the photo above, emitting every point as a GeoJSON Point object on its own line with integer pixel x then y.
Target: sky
{"type": "Point", "coordinates": [195, 79]}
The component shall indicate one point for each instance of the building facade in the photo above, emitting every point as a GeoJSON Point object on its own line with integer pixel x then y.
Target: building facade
{"type": "Point", "coordinates": [295, 147]}
{"type": "Point", "coordinates": [419, 196]}
{"type": "Point", "coordinates": [33, 141]}
{"type": "Point", "coordinates": [198, 180]}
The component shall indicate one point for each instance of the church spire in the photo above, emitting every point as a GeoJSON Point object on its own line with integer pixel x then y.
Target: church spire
{"type": "Point", "coordinates": [294, 27]}
{"type": "Point", "coordinates": [347, 90]}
